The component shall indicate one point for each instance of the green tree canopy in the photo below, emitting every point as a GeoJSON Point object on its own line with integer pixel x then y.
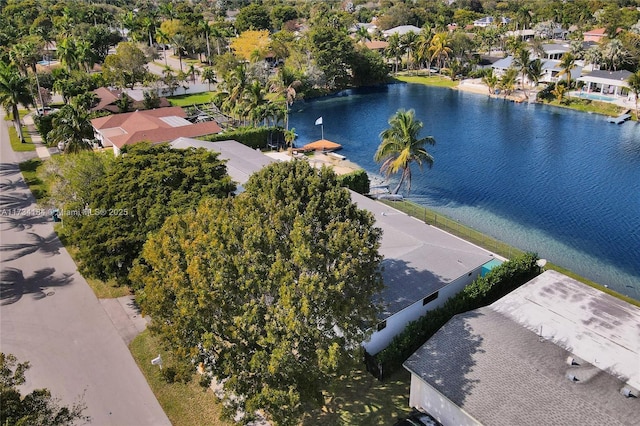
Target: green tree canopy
{"type": "Point", "coordinates": [126, 67]}
{"type": "Point", "coordinates": [253, 17]}
{"type": "Point", "coordinates": [333, 51]}
{"type": "Point", "coordinates": [139, 191]}
{"type": "Point", "coordinates": [269, 289]}
{"type": "Point", "coordinates": [35, 408]}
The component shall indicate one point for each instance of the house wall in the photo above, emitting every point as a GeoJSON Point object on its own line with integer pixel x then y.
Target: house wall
{"type": "Point", "coordinates": [426, 398]}
{"type": "Point", "coordinates": [398, 321]}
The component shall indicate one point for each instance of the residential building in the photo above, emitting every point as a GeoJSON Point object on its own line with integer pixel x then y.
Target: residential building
{"type": "Point", "coordinates": [401, 30]}
{"type": "Point", "coordinates": [489, 20]}
{"type": "Point", "coordinates": [554, 351]}
{"type": "Point", "coordinates": [154, 126]}
{"type": "Point", "coordinates": [612, 83]}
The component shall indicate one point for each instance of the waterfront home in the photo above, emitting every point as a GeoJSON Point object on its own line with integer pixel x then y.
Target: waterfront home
{"type": "Point", "coordinates": [154, 126]}
{"type": "Point", "coordinates": [610, 83]}
{"type": "Point", "coordinates": [554, 351]}
{"type": "Point", "coordinates": [423, 266]}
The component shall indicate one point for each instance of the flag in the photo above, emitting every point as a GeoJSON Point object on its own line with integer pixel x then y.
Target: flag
{"type": "Point", "coordinates": [319, 121]}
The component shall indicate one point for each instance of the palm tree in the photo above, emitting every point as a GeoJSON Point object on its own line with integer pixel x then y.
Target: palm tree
{"type": "Point", "coordinates": [26, 56]}
{"type": "Point", "coordinates": [205, 28]}
{"type": "Point", "coordinates": [285, 85]}
{"type": "Point", "coordinates": [14, 91]}
{"type": "Point", "coordinates": [422, 47]}
{"type": "Point", "coordinates": [559, 92]}
{"type": "Point", "coordinates": [72, 128]}
{"type": "Point", "coordinates": [408, 42]}
{"type": "Point", "coordinates": [362, 34]}
{"type": "Point", "coordinates": [67, 53]}
{"type": "Point", "coordinates": [534, 72]}
{"type": "Point", "coordinates": [522, 62]}
{"type": "Point", "coordinates": [508, 81]}
{"type": "Point", "coordinates": [179, 41]}
{"type": "Point", "coordinates": [163, 38]}
{"type": "Point", "coordinates": [400, 147]}
{"type": "Point", "coordinates": [192, 71]}
{"type": "Point", "coordinates": [209, 75]}
{"type": "Point", "coordinates": [440, 49]}
{"type": "Point", "coordinates": [491, 80]}
{"type": "Point", "coordinates": [567, 63]}
{"type": "Point", "coordinates": [615, 54]}
{"type": "Point", "coordinates": [634, 85]}
{"type": "Point", "coordinates": [394, 49]}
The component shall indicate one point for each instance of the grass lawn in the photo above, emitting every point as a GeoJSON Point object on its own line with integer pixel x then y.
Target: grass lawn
{"type": "Point", "coordinates": [185, 404]}
{"type": "Point", "coordinates": [188, 100]}
{"type": "Point", "coordinates": [588, 105]}
{"type": "Point", "coordinates": [360, 399]}
{"type": "Point", "coordinates": [433, 80]}
{"type": "Point", "coordinates": [29, 170]}
{"type": "Point", "coordinates": [21, 113]}
{"type": "Point", "coordinates": [18, 146]}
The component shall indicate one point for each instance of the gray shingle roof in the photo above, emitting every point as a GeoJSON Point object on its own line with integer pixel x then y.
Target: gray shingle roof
{"type": "Point", "coordinates": [500, 373]}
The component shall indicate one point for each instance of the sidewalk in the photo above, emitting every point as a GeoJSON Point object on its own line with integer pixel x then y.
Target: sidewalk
{"type": "Point", "coordinates": [41, 149]}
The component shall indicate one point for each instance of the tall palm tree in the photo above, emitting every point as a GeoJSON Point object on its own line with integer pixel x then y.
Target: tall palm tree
{"type": "Point", "coordinates": [422, 47]}
{"type": "Point", "coordinates": [408, 42]}
{"type": "Point", "coordinates": [394, 50]}
{"type": "Point", "coordinates": [491, 80]}
{"type": "Point", "coordinates": [71, 127]}
{"type": "Point", "coordinates": [534, 72]}
{"type": "Point", "coordinates": [522, 62]}
{"type": "Point", "coordinates": [285, 85]}
{"type": "Point", "coordinates": [179, 41]}
{"type": "Point", "coordinates": [634, 85]}
{"type": "Point", "coordinates": [440, 49]}
{"type": "Point", "coordinates": [25, 56]}
{"type": "Point", "coordinates": [163, 38]}
{"type": "Point", "coordinates": [508, 81]}
{"type": "Point", "coordinates": [205, 29]}
{"type": "Point", "coordinates": [567, 63]}
{"type": "Point", "coordinates": [67, 53]}
{"type": "Point", "coordinates": [14, 91]}
{"type": "Point", "coordinates": [209, 75]}
{"type": "Point", "coordinates": [401, 146]}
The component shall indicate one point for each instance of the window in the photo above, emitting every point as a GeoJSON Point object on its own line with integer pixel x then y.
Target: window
{"type": "Point", "coordinates": [382, 325]}
{"type": "Point", "coordinates": [430, 298]}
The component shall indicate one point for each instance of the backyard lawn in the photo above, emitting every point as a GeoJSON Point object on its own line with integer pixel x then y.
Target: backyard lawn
{"type": "Point", "coordinates": [433, 80]}
{"type": "Point", "coordinates": [188, 100]}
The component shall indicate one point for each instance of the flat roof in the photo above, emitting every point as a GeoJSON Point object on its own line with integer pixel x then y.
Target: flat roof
{"type": "Point", "coordinates": [593, 325]}
{"type": "Point", "coordinates": [242, 161]}
{"type": "Point", "coordinates": [500, 373]}
{"type": "Point", "coordinates": [419, 259]}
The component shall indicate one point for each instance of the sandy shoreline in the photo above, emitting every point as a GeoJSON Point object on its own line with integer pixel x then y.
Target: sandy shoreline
{"type": "Point", "coordinates": [475, 86]}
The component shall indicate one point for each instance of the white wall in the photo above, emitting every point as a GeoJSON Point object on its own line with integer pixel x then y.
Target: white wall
{"type": "Point", "coordinates": [398, 321]}
{"type": "Point", "coordinates": [426, 398]}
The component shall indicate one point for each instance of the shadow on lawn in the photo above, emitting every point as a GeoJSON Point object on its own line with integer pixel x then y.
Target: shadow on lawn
{"type": "Point", "coordinates": [360, 399]}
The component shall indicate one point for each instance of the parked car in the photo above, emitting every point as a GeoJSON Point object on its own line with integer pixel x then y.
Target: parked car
{"type": "Point", "coordinates": [417, 418]}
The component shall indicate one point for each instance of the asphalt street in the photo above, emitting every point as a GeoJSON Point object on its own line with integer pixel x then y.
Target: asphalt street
{"type": "Point", "coordinates": [50, 317]}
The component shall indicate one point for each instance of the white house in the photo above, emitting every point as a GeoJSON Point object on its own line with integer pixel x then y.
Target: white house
{"type": "Point", "coordinates": [423, 267]}
{"type": "Point", "coordinates": [401, 30]}
{"type": "Point", "coordinates": [553, 352]}
{"type": "Point", "coordinates": [488, 21]}
{"type": "Point", "coordinates": [612, 83]}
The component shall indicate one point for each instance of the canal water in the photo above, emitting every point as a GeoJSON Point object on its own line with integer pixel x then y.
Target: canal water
{"type": "Point", "coordinates": [562, 183]}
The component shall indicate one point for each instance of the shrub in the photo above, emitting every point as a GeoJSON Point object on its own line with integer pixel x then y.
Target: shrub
{"type": "Point", "coordinates": [253, 137]}
{"type": "Point", "coordinates": [357, 181]}
{"type": "Point", "coordinates": [483, 291]}
{"type": "Point", "coordinates": [44, 124]}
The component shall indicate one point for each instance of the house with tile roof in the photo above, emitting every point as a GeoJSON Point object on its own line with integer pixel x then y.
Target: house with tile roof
{"type": "Point", "coordinates": [154, 126]}
{"type": "Point", "coordinates": [555, 351]}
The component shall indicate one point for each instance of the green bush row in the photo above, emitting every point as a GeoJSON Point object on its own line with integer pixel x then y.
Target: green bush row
{"type": "Point", "coordinates": [357, 181]}
{"type": "Point", "coordinates": [253, 137]}
{"type": "Point", "coordinates": [483, 291]}
{"type": "Point", "coordinates": [44, 124]}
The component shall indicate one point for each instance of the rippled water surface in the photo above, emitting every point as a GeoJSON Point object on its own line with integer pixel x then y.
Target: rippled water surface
{"type": "Point", "coordinates": [562, 183]}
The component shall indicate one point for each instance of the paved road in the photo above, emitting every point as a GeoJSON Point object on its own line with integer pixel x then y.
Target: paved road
{"type": "Point", "coordinates": [50, 317]}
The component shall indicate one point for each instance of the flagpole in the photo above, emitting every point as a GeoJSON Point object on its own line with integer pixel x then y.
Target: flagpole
{"type": "Point", "coordinates": [322, 130]}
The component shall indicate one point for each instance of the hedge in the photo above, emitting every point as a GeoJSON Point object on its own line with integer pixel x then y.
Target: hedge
{"type": "Point", "coordinates": [483, 291]}
{"type": "Point", "coordinates": [357, 181]}
{"type": "Point", "coordinates": [44, 124]}
{"type": "Point", "coordinates": [253, 137]}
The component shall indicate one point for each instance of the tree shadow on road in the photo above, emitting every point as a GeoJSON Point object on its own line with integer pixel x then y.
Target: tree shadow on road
{"type": "Point", "coordinates": [12, 185]}
{"type": "Point", "coordinates": [48, 246]}
{"type": "Point", "coordinates": [14, 285]}
{"type": "Point", "coordinates": [15, 201]}
{"type": "Point", "coordinates": [22, 223]}
{"type": "Point", "coordinates": [7, 169]}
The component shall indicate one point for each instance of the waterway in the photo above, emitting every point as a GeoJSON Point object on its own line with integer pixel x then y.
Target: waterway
{"type": "Point", "coordinates": [562, 183]}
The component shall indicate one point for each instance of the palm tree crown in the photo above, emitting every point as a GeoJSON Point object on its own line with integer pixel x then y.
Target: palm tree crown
{"type": "Point", "coordinates": [14, 90]}
{"type": "Point", "coordinates": [400, 146]}
{"type": "Point", "coordinates": [72, 127]}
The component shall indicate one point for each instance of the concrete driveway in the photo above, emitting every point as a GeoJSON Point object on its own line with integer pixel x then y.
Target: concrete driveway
{"type": "Point", "coordinates": [50, 317]}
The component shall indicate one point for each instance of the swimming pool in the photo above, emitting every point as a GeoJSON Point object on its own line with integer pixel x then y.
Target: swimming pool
{"type": "Point", "coordinates": [596, 97]}
{"type": "Point", "coordinates": [489, 266]}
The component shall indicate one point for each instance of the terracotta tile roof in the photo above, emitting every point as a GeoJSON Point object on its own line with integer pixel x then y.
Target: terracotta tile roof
{"type": "Point", "coordinates": [376, 44]}
{"type": "Point", "coordinates": [595, 32]}
{"type": "Point", "coordinates": [155, 126]}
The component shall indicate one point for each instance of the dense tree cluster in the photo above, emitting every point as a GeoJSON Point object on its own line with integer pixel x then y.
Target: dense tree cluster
{"type": "Point", "coordinates": [110, 222]}
{"type": "Point", "coordinates": [271, 289]}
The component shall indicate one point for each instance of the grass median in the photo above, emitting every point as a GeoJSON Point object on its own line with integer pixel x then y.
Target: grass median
{"type": "Point", "coordinates": [16, 144]}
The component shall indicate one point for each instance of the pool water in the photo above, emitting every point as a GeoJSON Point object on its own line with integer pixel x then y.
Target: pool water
{"type": "Point", "coordinates": [596, 97]}
{"type": "Point", "coordinates": [489, 266]}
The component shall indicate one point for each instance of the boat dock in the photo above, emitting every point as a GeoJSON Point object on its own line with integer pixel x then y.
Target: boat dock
{"type": "Point", "coordinates": [619, 119]}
